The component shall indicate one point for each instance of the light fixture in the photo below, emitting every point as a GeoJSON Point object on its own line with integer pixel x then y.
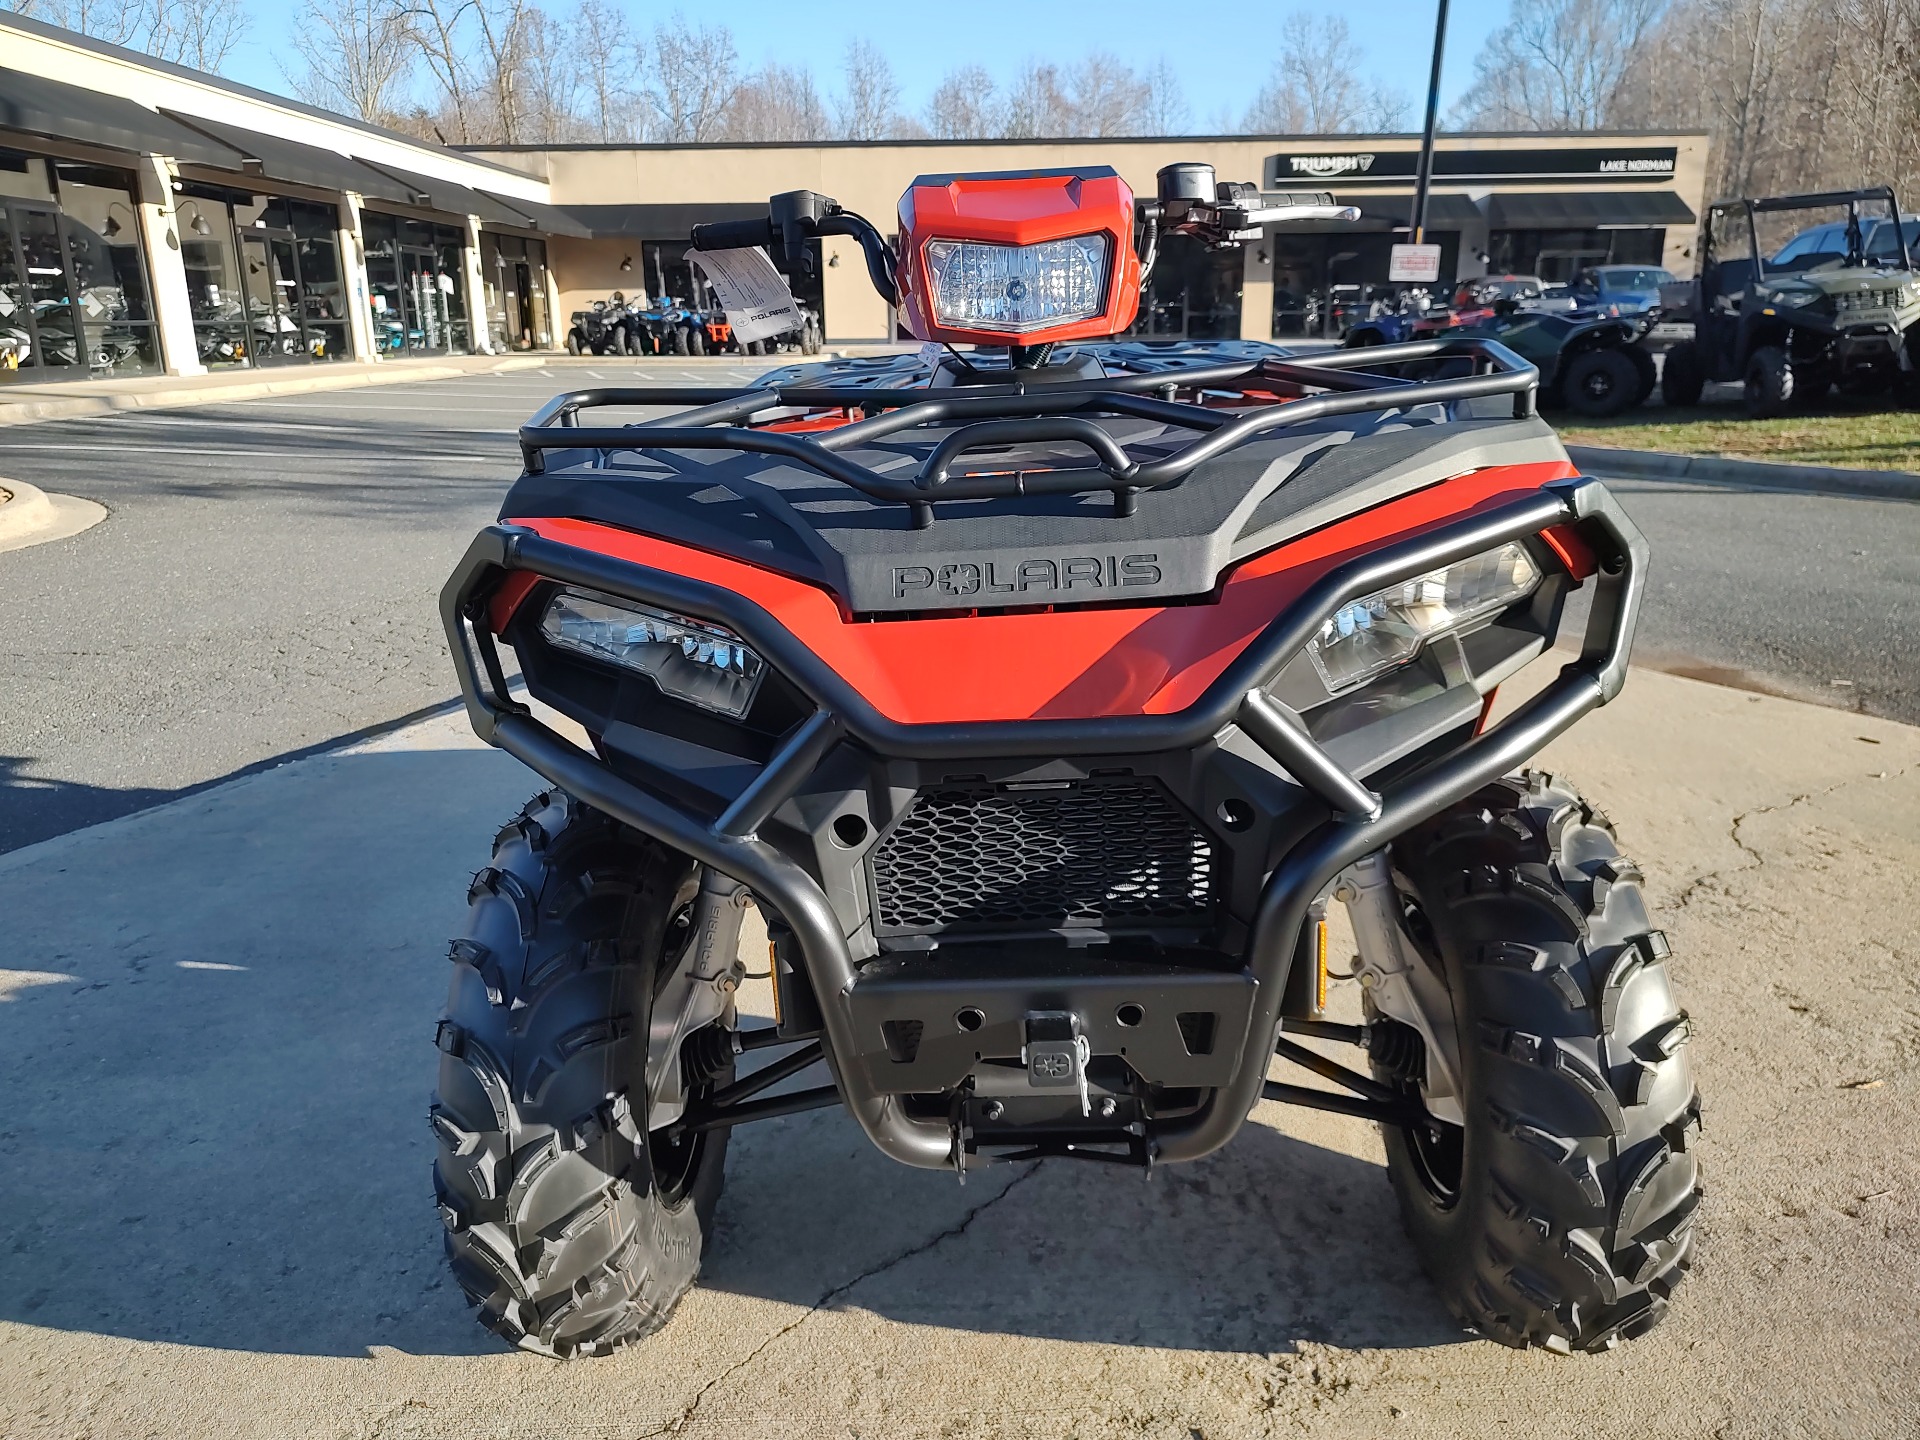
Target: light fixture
{"type": "Point", "coordinates": [1374, 634]}
{"type": "Point", "coordinates": [626, 263]}
{"type": "Point", "coordinates": [833, 262]}
{"type": "Point", "coordinates": [692, 660]}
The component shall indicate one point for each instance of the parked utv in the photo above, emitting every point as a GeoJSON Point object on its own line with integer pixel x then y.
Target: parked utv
{"type": "Point", "coordinates": [1837, 305]}
{"type": "Point", "coordinates": [1041, 696]}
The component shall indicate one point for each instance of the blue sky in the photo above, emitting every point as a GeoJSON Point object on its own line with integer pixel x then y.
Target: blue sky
{"type": "Point", "coordinates": [1222, 49]}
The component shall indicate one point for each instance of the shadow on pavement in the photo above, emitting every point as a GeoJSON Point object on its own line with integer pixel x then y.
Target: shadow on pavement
{"type": "Point", "coordinates": [215, 1044]}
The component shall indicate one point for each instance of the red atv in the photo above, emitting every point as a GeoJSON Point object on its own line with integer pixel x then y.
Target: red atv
{"type": "Point", "coordinates": [1041, 697]}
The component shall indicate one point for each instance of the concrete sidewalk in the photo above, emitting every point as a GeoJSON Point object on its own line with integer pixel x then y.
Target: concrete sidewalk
{"type": "Point", "coordinates": [25, 402]}
{"type": "Point", "coordinates": [215, 1044]}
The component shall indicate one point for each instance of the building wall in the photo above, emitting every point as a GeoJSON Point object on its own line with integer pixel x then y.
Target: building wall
{"type": "Point", "coordinates": [869, 178]}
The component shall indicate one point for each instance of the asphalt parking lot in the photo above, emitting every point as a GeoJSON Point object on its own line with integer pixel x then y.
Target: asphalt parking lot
{"type": "Point", "coordinates": [216, 1006]}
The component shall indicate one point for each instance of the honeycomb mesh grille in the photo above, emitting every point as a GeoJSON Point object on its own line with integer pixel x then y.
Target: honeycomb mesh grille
{"type": "Point", "coordinates": [1097, 852]}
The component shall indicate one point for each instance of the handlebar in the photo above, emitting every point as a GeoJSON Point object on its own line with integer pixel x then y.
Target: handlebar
{"type": "Point", "coordinates": [734, 234]}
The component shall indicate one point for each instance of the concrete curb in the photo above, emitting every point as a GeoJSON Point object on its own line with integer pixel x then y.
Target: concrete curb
{"type": "Point", "coordinates": [17, 409]}
{"type": "Point", "coordinates": [1828, 479]}
{"type": "Point", "coordinates": [30, 516]}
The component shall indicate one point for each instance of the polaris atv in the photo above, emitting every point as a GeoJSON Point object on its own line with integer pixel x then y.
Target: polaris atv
{"type": "Point", "coordinates": [1041, 697]}
{"type": "Point", "coordinates": [1832, 307]}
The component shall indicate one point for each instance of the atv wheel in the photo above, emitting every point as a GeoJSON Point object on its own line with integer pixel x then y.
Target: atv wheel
{"type": "Point", "coordinates": [573, 342]}
{"type": "Point", "coordinates": [1599, 383]}
{"type": "Point", "coordinates": [678, 340]}
{"type": "Point", "coordinates": [1682, 377]}
{"type": "Point", "coordinates": [696, 341]}
{"type": "Point", "coordinates": [571, 1227]}
{"type": "Point", "coordinates": [1770, 387]}
{"type": "Point", "coordinates": [621, 345]}
{"type": "Point", "coordinates": [1562, 1215]}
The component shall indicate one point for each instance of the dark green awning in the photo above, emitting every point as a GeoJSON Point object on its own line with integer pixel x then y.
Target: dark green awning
{"type": "Point", "coordinates": [36, 105]}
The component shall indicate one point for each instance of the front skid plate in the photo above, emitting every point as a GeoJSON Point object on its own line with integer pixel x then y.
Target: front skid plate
{"type": "Point", "coordinates": [895, 994]}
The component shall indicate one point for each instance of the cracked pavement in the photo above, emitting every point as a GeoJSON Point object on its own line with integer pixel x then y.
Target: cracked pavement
{"type": "Point", "coordinates": [215, 1022]}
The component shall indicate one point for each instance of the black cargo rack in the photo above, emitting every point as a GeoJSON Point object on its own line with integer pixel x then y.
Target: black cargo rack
{"type": "Point", "coordinates": [1021, 413]}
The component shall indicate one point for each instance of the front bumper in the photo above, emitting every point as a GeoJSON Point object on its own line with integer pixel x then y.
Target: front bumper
{"type": "Point", "coordinates": [855, 1000]}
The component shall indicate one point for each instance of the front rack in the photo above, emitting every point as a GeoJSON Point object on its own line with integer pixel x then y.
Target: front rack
{"type": "Point", "coordinates": [990, 416]}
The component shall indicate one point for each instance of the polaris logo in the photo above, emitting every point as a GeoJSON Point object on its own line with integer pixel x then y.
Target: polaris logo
{"type": "Point", "coordinates": [1322, 166]}
{"type": "Point", "coordinates": [1023, 577]}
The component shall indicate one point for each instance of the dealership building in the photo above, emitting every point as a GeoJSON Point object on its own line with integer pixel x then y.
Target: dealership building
{"type": "Point", "coordinates": [154, 219]}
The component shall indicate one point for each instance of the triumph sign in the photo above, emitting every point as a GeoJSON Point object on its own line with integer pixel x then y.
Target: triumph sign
{"type": "Point", "coordinates": [1325, 167]}
{"type": "Point", "coordinates": [1521, 166]}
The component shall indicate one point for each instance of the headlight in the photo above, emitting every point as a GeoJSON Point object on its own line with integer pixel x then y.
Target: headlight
{"type": "Point", "coordinates": [691, 660]}
{"type": "Point", "coordinates": [1371, 635]}
{"type": "Point", "coordinates": [1017, 287]}
{"type": "Point", "coordinates": [1793, 299]}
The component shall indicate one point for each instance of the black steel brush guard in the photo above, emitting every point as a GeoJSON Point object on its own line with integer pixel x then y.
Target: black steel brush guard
{"type": "Point", "coordinates": [1359, 821]}
{"type": "Point", "coordinates": [1021, 412]}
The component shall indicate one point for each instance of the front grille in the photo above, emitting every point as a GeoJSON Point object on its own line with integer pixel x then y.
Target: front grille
{"type": "Point", "coordinates": [1090, 854]}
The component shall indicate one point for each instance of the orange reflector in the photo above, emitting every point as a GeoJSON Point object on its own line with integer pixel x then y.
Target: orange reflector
{"type": "Point", "coordinates": [1320, 966]}
{"type": "Point", "coordinates": [773, 970]}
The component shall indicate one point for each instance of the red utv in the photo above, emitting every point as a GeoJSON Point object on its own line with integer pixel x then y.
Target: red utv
{"type": "Point", "coordinates": [1042, 696]}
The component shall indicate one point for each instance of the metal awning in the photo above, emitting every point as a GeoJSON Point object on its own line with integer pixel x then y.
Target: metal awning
{"type": "Point", "coordinates": [658, 222]}
{"type": "Point", "coordinates": [1444, 212]}
{"type": "Point", "coordinates": [455, 198]}
{"type": "Point", "coordinates": [275, 158]}
{"type": "Point", "coordinates": [1589, 210]}
{"type": "Point", "coordinates": [550, 218]}
{"type": "Point", "coordinates": [39, 106]}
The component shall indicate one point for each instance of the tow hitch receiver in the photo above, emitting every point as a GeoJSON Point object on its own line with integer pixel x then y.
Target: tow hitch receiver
{"type": "Point", "coordinates": [1056, 1054]}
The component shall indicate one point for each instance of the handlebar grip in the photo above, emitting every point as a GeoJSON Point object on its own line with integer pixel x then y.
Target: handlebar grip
{"type": "Point", "coordinates": [733, 234]}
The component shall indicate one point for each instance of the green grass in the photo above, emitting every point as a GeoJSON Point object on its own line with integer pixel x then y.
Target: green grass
{"type": "Point", "coordinates": [1830, 436]}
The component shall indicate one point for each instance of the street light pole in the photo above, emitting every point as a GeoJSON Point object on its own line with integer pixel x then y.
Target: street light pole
{"type": "Point", "coordinates": [1425, 176]}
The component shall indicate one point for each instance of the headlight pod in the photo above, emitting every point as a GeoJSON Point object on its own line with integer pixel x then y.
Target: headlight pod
{"type": "Point", "coordinates": [1793, 299]}
{"type": "Point", "coordinates": [691, 660]}
{"type": "Point", "coordinates": [1016, 288]}
{"type": "Point", "coordinates": [1370, 636]}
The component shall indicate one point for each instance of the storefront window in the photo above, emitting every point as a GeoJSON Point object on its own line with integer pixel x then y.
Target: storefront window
{"type": "Point", "coordinates": [413, 284]}
{"type": "Point", "coordinates": [263, 278]}
{"type": "Point", "coordinates": [73, 283]}
{"type": "Point", "coordinates": [1193, 293]}
{"type": "Point", "coordinates": [1555, 255]}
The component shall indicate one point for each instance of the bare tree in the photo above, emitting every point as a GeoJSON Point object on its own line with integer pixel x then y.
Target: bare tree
{"type": "Point", "coordinates": [965, 106]}
{"type": "Point", "coordinates": [1556, 64]}
{"type": "Point", "coordinates": [434, 26]}
{"type": "Point", "coordinates": [692, 80]}
{"type": "Point", "coordinates": [1163, 108]}
{"type": "Point", "coordinates": [1036, 104]}
{"type": "Point", "coordinates": [780, 103]}
{"type": "Point", "coordinates": [548, 83]}
{"type": "Point", "coordinates": [868, 107]}
{"type": "Point", "coordinates": [1315, 86]}
{"type": "Point", "coordinates": [200, 33]}
{"type": "Point", "coordinates": [356, 56]}
{"type": "Point", "coordinates": [610, 61]}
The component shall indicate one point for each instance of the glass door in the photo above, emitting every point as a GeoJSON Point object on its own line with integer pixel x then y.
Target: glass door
{"type": "Point", "coordinates": [426, 300]}
{"type": "Point", "coordinates": [271, 277]}
{"type": "Point", "coordinates": [16, 309]}
{"type": "Point", "coordinates": [49, 291]}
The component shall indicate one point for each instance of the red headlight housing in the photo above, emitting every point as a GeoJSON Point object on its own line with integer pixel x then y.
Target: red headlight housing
{"type": "Point", "coordinates": [1023, 257]}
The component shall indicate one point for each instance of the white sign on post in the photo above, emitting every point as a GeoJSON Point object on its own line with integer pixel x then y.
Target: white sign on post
{"type": "Point", "coordinates": [1414, 263]}
{"type": "Point", "coordinates": [755, 297]}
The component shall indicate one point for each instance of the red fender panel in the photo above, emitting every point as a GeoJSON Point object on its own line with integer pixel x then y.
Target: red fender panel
{"type": "Point", "coordinates": [1073, 664]}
